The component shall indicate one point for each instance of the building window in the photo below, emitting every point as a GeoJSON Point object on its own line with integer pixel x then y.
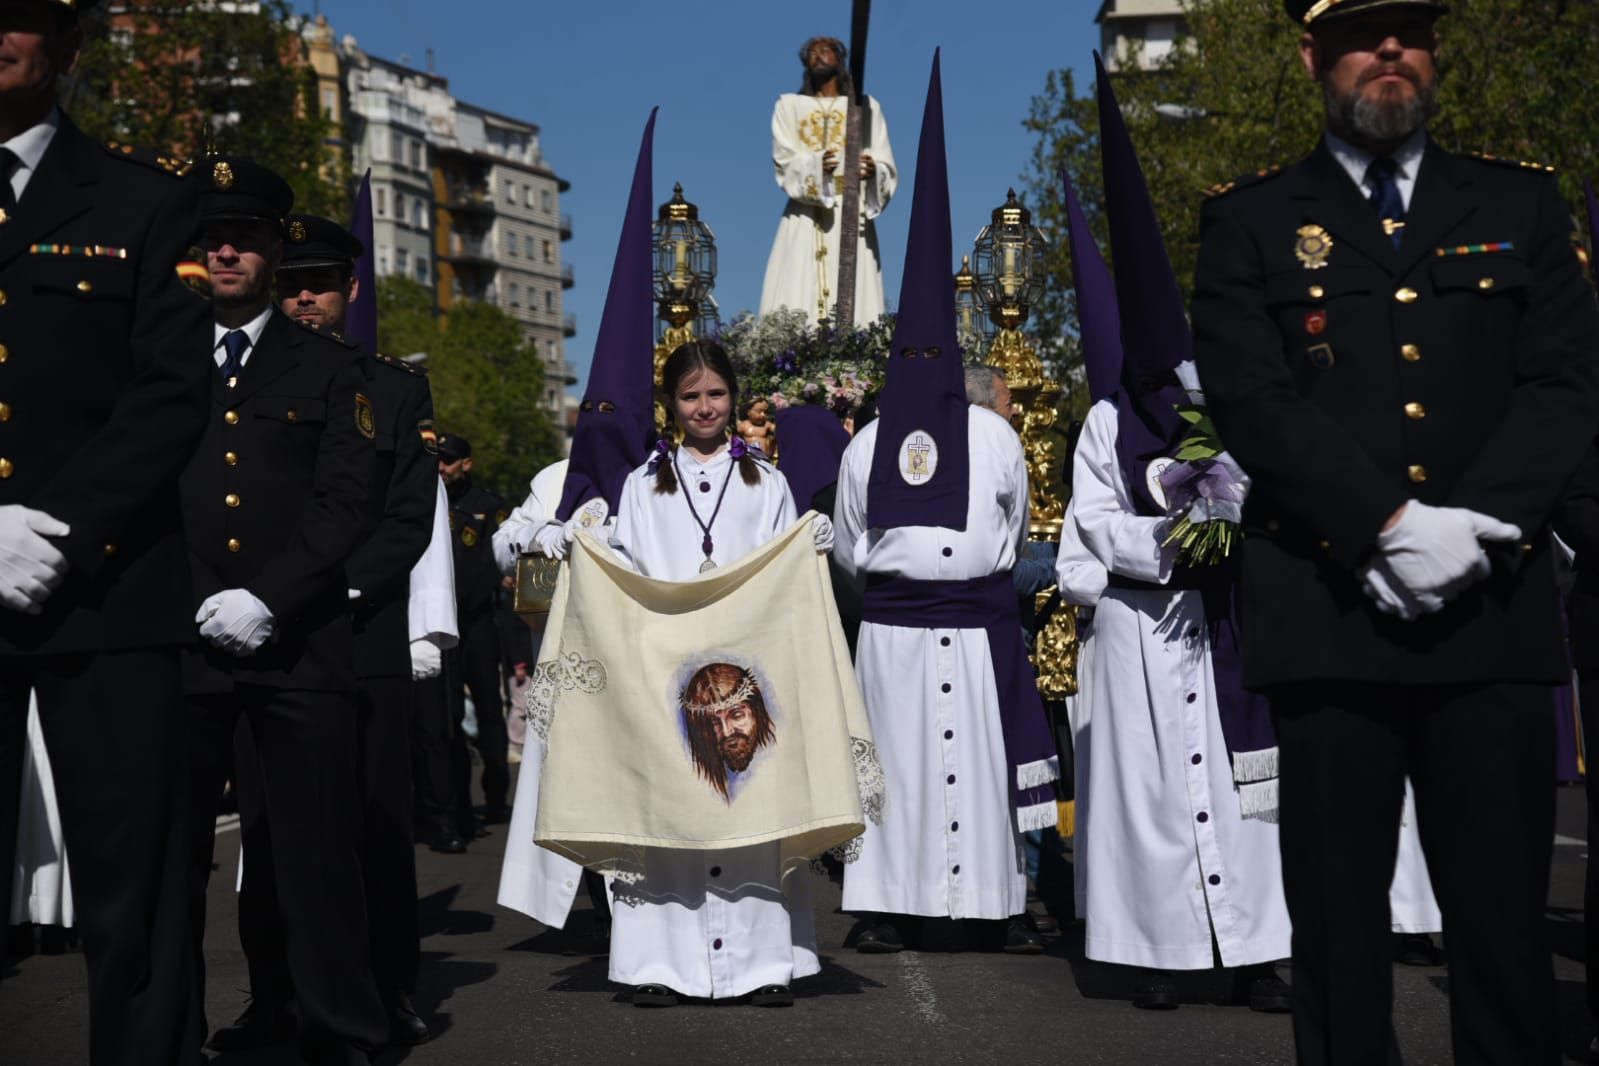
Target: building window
{"type": "Point", "coordinates": [399, 206]}
{"type": "Point", "coordinates": [383, 259]}
{"type": "Point", "coordinates": [516, 299]}
{"type": "Point", "coordinates": [416, 155]}
{"type": "Point", "coordinates": [422, 269]}
{"type": "Point", "coordinates": [510, 243]}
{"type": "Point", "coordinates": [547, 200]}
{"type": "Point", "coordinates": [549, 252]}
{"type": "Point", "coordinates": [402, 260]}
{"type": "Point", "coordinates": [419, 214]}
{"type": "Point", "coordinates": [510, 192]}
{"type": "Point", "coordinates": [527, 195]}
{"type": "Point", "coordinates": [330, 100]}
{"type": "Point", "coordinates": [397, 148]}
{"type": "Point", "coordinates": [549, 299]}
{"type": "Point", "coordinates": [382, 202]}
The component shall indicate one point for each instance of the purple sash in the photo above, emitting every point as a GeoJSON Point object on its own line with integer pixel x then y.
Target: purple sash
{"type": "Point", "coordinates": [986, 603]}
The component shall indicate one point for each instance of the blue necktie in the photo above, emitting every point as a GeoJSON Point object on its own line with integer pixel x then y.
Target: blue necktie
{"type": "Point", "coordinates": [235, 341]}
{"type": "Point", "coordinates": [1386, 198]}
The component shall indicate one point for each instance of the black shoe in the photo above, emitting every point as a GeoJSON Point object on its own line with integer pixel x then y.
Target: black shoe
{"type": "Point", "coordinates": [262, 1023]}
{"type": "Point", "coordinates": [654, 996]}
{"type": "Point", "coordinates": [879, 938]}
{"type": "Point", "coordinates": [772, 996]}
{"type": "Point", "coordinates": [1155, 990]}
{"type": "Point", "coordinates": [406, 1027]}
{"type": "Point", "coordinates": [1261, 988]}
{"type": "Point", "coordinates": [1044, 922]}
{"type": "Point", "coordinates": [1417, 949]}
{"type": "Point", "coordinates": [448, 842]}
{"type": "Point", "coordinates": [497, 815]}
{"type": "Point", "coordinates": [1021, 938]}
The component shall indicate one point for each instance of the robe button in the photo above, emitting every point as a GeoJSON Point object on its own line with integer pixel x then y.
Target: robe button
{"type": "Point", "coordinates": [1203, 817]}
{"type": "Point", "coordinates": [1196, 759]}
{"type": "Point", "coordinates": [950, 780]}
{"type": "Point", "coordinates": [943, 642]}
{"type": "Point", "coordinates": [948, 552]}
{"type": "Point", "coordinates": [955, 869]}
{"type": "Point", "coordinates": [716, 871]}
{"type": "Point", "coordinates": [1215, 879]}
{"type": "Point", "coordinates": [954, 827]}
{"type": "Point", "coordinates": [717, 944]}
{"type": "Point", "coordinates": [949, 734]}
{"type": "Point", "coordinates": [944, 687]}
{"type": "Point", "coordinates": [1192, 697]}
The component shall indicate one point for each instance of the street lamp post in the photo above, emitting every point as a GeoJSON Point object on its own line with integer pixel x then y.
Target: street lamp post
{"type": "Point", "coordinates": [684, 275]}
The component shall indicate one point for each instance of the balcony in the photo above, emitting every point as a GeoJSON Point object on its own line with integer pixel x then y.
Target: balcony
{"type": "Point", "coordinates": [463, 252]}
{"type": "Point", "coordinates": [567, 277]}
{"type": "Point", "coordinates": [566, 227]}
{"type": "Point", "coordinates": [466, 198]}
{"type": "Point", "coordinates": [569, 325]}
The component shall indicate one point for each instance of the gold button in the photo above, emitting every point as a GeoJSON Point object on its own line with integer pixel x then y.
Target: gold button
{"type": "Point", "coordinates": [231, 499]}
{"type": "Point", "coordinates": [5, 353]}
{"type": "Point", "coordinates": [1406, 296]}
{"type": "Point", "coordinates": [1417, 473]}
{"type": "Point", "coordinates": [1324, 545]}
{"type": "Point", "coordinates": [84, 286]}
{"type": "Point", "coordinates": [231, 458]}
{"type": "Point", "coordinates": [7, 467]}
{"type": "Point", "coordinates": [5, 412]}
{"type": "Point", "coordinates": [1410, 353]}
{"type": "Point", "coordinates": [1485, 284]}
{"type": "Point", "coordinates": [1317, 292]}
{"type": "Point", "coordinates": [1272, 525]}
{"type": "Point", "coordinates": [2, 297]}
{"type": "Point", "coordinates": [110, 549]}
{"type": "Point", "coordinates": [1526, 549]}
{"type": "Point", "coordinates": [291, 415]}
{"type": "Point", "coordinates": [231, 418]}
{"type": "Point", "coordinates": [233, 544]}
{"type": "Point", "coordinates": [1415, 412]}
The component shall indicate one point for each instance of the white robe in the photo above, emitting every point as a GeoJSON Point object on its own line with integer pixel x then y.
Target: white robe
{"type": "Point", "coordinates": [1168, 857]}
{"type": "Point", "coordinates": [41, 883]}
{"type": "Point", "coordinates": [805, 254]}
{"type": "Point", "coordinates": [431, 604]}
{"type": "Point", "coordinates": [543, 499]}
{"type": "Point", "coordinates": [1082, 579]}
{"type": "Point", "coordinates": [713, 924]}
{"type": "Point", "coordinates": [948, 844]}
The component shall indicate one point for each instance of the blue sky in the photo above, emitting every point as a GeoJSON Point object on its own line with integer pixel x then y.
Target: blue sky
{"type": "Point", "coordinates": [587, 73]}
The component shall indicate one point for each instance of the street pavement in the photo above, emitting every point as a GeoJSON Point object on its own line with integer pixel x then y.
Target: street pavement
{"type": "Point", "coordinates": [500, 989]}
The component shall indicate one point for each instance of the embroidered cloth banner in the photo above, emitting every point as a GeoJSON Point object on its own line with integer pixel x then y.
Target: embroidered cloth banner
{"type": "Point", "coordinates": [715, 713]}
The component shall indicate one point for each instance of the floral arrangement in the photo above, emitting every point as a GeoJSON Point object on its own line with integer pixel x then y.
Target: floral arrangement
{"type": "Point", "coordinates": [1205, 493]}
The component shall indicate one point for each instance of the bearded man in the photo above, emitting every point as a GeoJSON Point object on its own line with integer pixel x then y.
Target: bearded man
{"type": "Point", "coordinates": [1397, 344]}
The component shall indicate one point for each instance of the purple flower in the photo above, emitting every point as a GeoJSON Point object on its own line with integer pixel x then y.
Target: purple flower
{"type": "Point", "coordinates": [1200, 479]}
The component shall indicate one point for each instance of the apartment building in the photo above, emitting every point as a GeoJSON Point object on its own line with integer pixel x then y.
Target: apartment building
{"type": "Point", "coordinates": [1138, 34]}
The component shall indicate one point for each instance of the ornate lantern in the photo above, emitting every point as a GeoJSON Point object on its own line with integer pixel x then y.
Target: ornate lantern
{"type": "Point", "coordinates": [684, 275]}
{"type": "Point", "coordinates": [1008, 264]}
{"type": "Point", "coordinates": [970, 319]}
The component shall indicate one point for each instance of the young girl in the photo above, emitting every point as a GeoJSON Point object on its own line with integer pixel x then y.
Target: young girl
{"type": "Point", "coordinates": [709, 924]}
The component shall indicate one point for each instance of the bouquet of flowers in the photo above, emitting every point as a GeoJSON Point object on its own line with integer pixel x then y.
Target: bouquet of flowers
{"type": "Point", "coordinates": [1205, 492]}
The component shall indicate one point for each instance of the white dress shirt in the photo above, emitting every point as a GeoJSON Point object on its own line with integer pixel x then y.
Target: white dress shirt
{"type": "Point", "coordinates": [252, 329]}
{"type": "Point", "coordinates": [1357, 161]}
{"type": "Point", "coordinates": [29, 146]}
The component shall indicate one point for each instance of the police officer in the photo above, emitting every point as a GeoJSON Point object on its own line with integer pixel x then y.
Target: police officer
{"type": "Point", "coordinates": [275, 503]}
{"type": "Point", "coordinates": [101, 402]}
{"type": "Point", "coordinates": [316, 283]}
{"type": "Point", "coordinates": [1398, 344]}
{"type": "Point", "coordinates": [473, 519]}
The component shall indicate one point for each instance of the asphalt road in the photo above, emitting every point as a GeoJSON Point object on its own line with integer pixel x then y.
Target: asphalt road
{"type": "Point", "coordinates": [499, 989]}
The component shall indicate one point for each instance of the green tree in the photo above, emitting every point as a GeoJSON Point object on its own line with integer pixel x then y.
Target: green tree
{"type": "Point", "coordinates": [488, 381]}
{"type": "Point", "coordinates": [1232, 98]}
{"type": "Point", "coordinates": [181, 75]}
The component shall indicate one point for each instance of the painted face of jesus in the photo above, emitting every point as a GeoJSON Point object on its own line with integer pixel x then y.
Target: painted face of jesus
{"type": "Point", "coordinates": [735, 735]}
{"type": "Point", "coordinates": [702, 405]}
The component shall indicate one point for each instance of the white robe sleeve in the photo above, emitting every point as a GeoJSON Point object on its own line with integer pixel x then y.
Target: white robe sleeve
{"type": "Point", "coordinates": [515, 534]}
{"type": "Point", "coordinates": [1125, 542]}
{"type": "Point", "coordinates": [630, 520]}
{"type": "Point", "coordinates": [785, 513]}
{"type": "Point", "coordinates": [849, 504]}
{"type": "Point", "coordinates": [881, 188]}
{"type": "Point", "coordinates": [432, 601]}
{"type": "Point", "coordinates": [799, 169]}
{"type": "Point", "coordinates": [1082, 578]}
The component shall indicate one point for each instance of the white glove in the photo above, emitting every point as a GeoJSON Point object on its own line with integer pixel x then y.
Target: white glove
{"type": "Point", "coordinates": [30, 566]}
{"type": "Point", "coordinates": [235, 621]}
{"type": "Point", "coordinates": [1391, 598]}
{"type": "Point", "coordinates": [355, 594]}
{"type": "Point", "coordinates": [426, 659]}
{"type": "Point", "coordinates": [822, 530]}
{"type": "Point", "coordinates": [1435, 550]}
{"type": "Point", "coordinates": [553, 540]}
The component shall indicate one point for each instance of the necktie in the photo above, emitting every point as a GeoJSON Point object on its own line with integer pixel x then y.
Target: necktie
{"type": "Point", "coordinates": [235, 342]}
{"type": "Point", "coordinates": [1386, 198]}
{"type": "Point", "coordinates": [8, 167]}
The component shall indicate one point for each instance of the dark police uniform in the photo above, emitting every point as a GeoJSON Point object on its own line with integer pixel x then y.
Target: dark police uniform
{"type": "Point", "coordinates": [1348, 377]}
{"type": "Point", "coordinates": [102, 396]}
{"type": "Point", "coordinates": [475, 661]}
{"type": "Point", "coordinates": [275, 501]}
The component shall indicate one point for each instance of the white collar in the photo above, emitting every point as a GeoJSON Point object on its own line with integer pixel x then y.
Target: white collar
{"type": "Point", "coordinates": [252, 329]}
{"type": "Point", "coordinates": [30, 144]}
{"type": "Point", "coordinates": [1357, 161]}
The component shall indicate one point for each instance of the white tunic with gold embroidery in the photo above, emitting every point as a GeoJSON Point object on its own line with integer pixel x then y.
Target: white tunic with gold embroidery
{"type": "Point", "coordinates": [804, 260]}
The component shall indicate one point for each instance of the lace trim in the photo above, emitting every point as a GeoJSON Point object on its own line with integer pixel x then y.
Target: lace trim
{"type": "Point", "coordinates": [870, 780]}
{"type": "Point", "coordinates": [553, 676]}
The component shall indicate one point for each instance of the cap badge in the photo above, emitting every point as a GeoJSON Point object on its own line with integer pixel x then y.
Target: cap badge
{"type": "Point", "coordinates": [297, 232]}
{"type": "Point", "coordinates": [222, 176]}
{"type": "Point", "coordinates": [1313, 246]}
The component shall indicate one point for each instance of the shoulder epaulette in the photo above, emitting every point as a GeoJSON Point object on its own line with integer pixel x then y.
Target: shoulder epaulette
{"type": "Point", "coordinates": [170, 164]}
{"type": "Point", "coordinates": [332, 335]}
{"type": "Point", "coordinates": [401, 364]}
{"type": "Point", "coordinates": [1522, 164]}
{"type": "Point", "coordinates": [1243, 181]}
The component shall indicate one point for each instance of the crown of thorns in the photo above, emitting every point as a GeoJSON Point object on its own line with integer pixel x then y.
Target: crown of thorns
{"type": "Point", "coordinates": [741, 694]}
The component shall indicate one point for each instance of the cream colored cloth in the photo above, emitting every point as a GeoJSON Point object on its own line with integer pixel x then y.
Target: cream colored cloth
{"type": "Point", "coordinates": [622, 774]}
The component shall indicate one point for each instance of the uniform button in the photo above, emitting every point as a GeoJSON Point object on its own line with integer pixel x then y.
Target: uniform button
{"type": "Point", "coordinates": [292, 415]}
{"type": "Point", "coordinates": [110, 549]}
{"type": "Point", "coordinates": [949, 734]}
{"type": "Point", "coordinates": [2, 297]}
{"type": "Point", "coordinates": [1526, 549]}
{"type": "Point", "coordinates": [954, 827]}
{"type": "Point", "coordinates": [85, 286]}
{"type": "Point", "coordinates": [1215, 879]}
{"type": "Point", "coordinates": [231, 417]}
{"type": "Point", "coordinates": [943, 642]}
{"type": "Point", "coordinates": [1202, 817]}
{"type": "Point", "coordinates": [1485, 284]}
{"type": "Point", "coordinates": [948, 552]}
{"type": "Point", "coordinates": [1192, 696]}
{"type": "Point", "coordinates": [1196, 759]}
{"type": "Point", "coordinates": [717, 944]}
{"type": "Point", "coordinates": [1417, 472]}
{"type": "Point", "coordinates": [231, 458]}
{"type": "Point", "coordinates": [1407, 295]}
{"type": "Point", "coordinates": [1415, 411]}
{"type": "Point", "coordinates": [1317, 292]}
{"type": "Point", "coordinates": [716, 871]}
{"type": "Point", "coordinates": [950, 780]}
{"type": "Point", "coordinates": [231, 499]}
{"type": "Point", "coordinates": [233, 544]}
{"type": "Point", "coordinates": [1411, 353]}
{"type": "Point", "coordinates": [944, 687]}
{"type": "Point", "coordinates": [5, 412]}
{"type": "Point", "coordinates": [5, 353]}
{"type": "Point", "coordinates": [7, 467]}
{"type": "Point", "coordinates": [1324, 545]}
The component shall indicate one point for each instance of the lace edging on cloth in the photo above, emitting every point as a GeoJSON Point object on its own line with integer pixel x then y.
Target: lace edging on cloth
{"type": "Point", "coordinates": [869, 779]}
{"type": "Point", "coordinates": [552, 676]}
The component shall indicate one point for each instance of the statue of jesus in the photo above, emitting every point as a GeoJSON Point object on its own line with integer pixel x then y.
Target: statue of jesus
{"type": "Point", "coordinates": [808, 152]}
